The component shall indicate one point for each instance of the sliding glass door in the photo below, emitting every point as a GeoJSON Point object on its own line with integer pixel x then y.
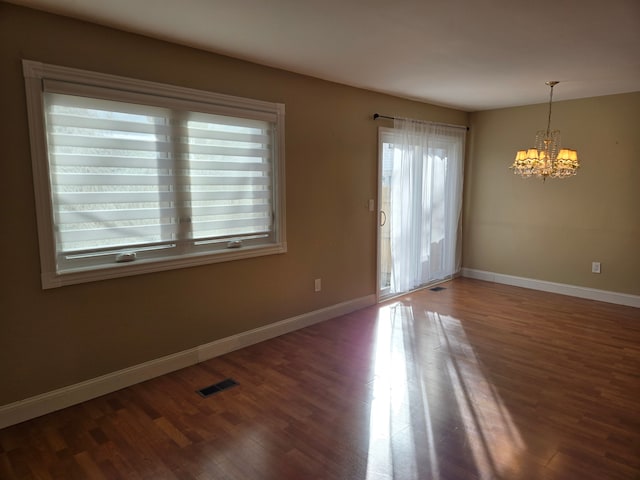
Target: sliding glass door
{"type": "Point", "coordinates": [420, 198]}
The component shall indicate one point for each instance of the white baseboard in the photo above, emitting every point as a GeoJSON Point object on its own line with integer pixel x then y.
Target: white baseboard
{"type": "Point", "coordinates": [561, 288]}
{"type": "Point", "coordinates": [48, 402]}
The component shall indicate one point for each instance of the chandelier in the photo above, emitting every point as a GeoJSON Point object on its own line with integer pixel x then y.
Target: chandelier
{"type": "Point", "coordinates": [547, 158]}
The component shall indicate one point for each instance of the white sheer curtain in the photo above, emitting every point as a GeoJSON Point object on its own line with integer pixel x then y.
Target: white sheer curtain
{"type": "Point", "coordinates": [425, 203]}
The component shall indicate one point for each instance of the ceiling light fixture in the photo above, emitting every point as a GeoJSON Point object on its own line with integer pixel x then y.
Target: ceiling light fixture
{"type": "Point", "coordinates": [547, 158]}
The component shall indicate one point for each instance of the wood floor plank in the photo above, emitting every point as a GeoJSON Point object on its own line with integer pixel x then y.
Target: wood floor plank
{"type": "Point", "coordinates": [479, 381]}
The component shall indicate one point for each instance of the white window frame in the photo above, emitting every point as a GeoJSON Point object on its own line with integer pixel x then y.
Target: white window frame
{"type": "Point", "coordinates": [38, 74]}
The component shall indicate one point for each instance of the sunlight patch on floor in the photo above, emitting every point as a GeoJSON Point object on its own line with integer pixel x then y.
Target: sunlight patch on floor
{"type": "Point", "coordinates": [492, 436]}
{"type": "Point", "coordinates": [406, 354]}
{"type": "Point", "coordinates": [379, 458]}
{"type": "Point", "coordinates": [390, 413]}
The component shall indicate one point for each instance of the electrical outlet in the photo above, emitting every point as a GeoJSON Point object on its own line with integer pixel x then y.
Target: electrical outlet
{"type": "Point", "coordinates": [318, 284]}
{"type": "Point", "coordinates": [595, 267]}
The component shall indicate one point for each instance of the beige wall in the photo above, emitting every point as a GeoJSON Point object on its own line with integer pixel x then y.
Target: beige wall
{"type": "Point", "coordinates": [53, 338]}
{"type": "Point", "coordinates": [552, 231]}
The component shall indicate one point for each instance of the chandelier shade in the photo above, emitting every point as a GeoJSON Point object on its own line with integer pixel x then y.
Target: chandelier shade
{"type": "Point", "coordinates": [547, 158]}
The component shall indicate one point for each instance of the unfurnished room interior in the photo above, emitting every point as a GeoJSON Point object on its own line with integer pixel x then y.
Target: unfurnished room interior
{"type": "Point", "coordinates": [320, 240]}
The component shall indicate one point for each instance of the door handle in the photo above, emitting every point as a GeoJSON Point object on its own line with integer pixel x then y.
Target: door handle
{"type": "Point", "coordinates": [383, 218]}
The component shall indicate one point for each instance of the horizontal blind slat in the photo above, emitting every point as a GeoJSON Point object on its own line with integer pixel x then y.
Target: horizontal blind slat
{"type": "Point", "coordinates": [201, 135]}
{"type": "Point", "coordinates": [247, 152]}
{"type": "Point", "coordinates": [162, 230]}
{"type": "Point", "coordinates": [247, 181]}
{"type": "Point", "coordinates": [238, 195]}
{"type": "Point", "coordinates": [94, 179]}
{"type": "Point", "coordinates": [68, 140]}
{"type": "Point", "coordinates": [224, 164]}
{"type": "Point", "coordinates": [131, 231]}
{"type": "Point", "coordinates": [89, 198]}
{"type": "Point", "coordinates": [61, 141]}
{"type": "Point", "coordinates": [88, 123]}
{"type": "Point", "coordinates": [110, 161]}
{"type": "Point", "coordinates": [230, 209]}
{"type": "Point", "coordinates": [80, 216]}
{"type": "Point", "coordinates": [136, 197]}
{"type": "Point", "coordinates": [107, 161]}
{"type": "Point", "coordinates": [237, 223]}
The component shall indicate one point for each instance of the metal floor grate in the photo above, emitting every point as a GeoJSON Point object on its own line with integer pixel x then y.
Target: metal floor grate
{"type": "Point", "coordinates": [437, 289]}
{"type": "Point", "coordinates": [217, 387]}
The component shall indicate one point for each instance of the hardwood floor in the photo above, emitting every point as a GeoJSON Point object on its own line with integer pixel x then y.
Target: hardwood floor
{"type": "Point", "coordinates": [477, 381]}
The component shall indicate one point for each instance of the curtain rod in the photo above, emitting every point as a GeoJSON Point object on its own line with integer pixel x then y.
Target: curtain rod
{"type": "Point", "coordinates": [377, 116]}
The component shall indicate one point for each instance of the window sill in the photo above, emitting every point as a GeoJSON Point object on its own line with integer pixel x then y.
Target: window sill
{"type": "Point", "coordinates": [139, 267]}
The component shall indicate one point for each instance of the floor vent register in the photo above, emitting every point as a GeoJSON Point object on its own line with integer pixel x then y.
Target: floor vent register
{"type": "Point", "coordinates": [217, 387]}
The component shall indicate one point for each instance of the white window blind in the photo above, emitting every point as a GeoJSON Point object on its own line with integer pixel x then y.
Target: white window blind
{"type": "Point", "coordinates": [137, 176]}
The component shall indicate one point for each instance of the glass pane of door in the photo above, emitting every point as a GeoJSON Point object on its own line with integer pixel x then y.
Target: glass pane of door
{"type": "Point", "coordinates": [384, 230]}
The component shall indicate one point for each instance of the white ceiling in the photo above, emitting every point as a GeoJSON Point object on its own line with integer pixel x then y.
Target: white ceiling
{"type": "Point", "coordinates": [467, 54]}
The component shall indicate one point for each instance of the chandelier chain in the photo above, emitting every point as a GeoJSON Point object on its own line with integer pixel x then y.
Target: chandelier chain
{"type": "Point", "coordinates": [551, 84]}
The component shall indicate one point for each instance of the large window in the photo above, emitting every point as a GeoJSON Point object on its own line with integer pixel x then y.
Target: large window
{"type": "Point", "coordinates": [133, 176]}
